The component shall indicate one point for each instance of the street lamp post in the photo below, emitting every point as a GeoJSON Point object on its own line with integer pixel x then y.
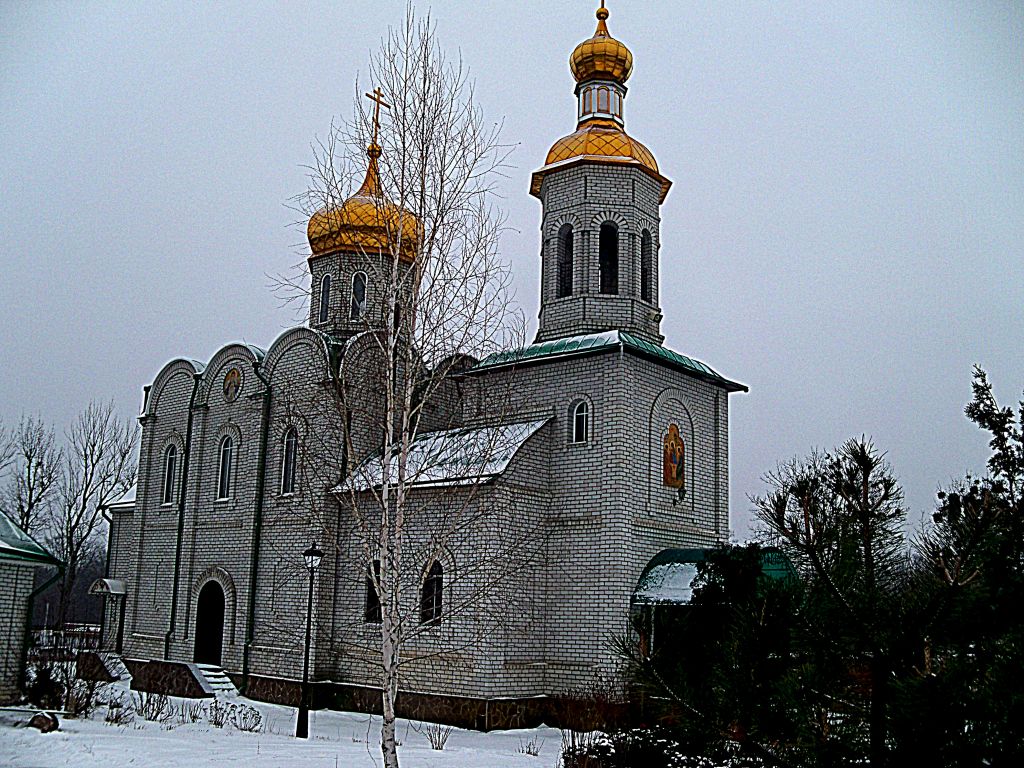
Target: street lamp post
{"type": "Point", "coordinates": [312, 556]}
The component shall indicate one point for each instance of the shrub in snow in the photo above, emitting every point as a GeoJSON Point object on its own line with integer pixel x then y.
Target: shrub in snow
{"type": "Point", "coordinates": [530, 747]}
{"type": "Point", "coordinates": [219, 712]}
{"type": "Point", "coordinates": [247, 719]}
{"type": "Point", "coordinates": [44, 688]}
{"type": "Point", "coordinates": [436, 734]}
{"type": "Point", "coordinates": [642, 748]}
{"type": "Point", "coordinates": [191, 712]}
{"type": "Point", "coordinates": [119, 710]}
{"type": "Point", "coordinates": [155, 707]}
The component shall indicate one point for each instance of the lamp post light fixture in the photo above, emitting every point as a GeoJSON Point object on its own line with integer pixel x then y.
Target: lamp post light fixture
{"type": "Point", "coordinates": [312, 556]}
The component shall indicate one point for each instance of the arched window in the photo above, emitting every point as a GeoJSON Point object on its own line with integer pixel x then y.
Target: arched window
{"type": "Point", "coordinates": [170, 466]}
{"type": "Point", "coordinates": [227, 450]}
{"type": "Point", "coordinates": [358, 307]}
{"type": "Point", "coordinates": [602, 100]}
{"type": "Point", "coordinates": [432, 595]}
{"type": "Point", "coordinates": [371, 609]}
{"type": "Point", "coordinates": [288, 459]}
{"type": "Point", "coordinates": [581, 422]}
{"type": "Point", "coordinates": [564, 261]}
{"type": "Point", "coordinates": [646, 265]}
{"type": "Point", "coordinates": [325, 297]}
{"type": "Point", "coordinates": [587, 101]}
{"type": "Point", "coordinates": [608, 259]}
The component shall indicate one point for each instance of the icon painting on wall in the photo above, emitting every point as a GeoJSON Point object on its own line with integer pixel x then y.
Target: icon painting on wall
{"type": "Point", "coordinates": [673, 458]}
{"type": "Point", "coordinates": [232, 383]}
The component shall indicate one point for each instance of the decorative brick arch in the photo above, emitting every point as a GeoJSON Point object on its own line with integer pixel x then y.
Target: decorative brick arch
{"type": "Point", "coordinates": [222, 577]}
{"type": "Point", "coordinates": [654, 450]}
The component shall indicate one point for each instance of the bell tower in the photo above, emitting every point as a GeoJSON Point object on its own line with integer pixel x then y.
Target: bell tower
{"type": "Point", "coordinates": [352, 250]}
{"type": "Point", "coordinates": [601, 193]}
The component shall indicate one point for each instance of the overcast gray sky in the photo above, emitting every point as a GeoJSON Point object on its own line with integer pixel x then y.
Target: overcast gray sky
{"type": "Point", "coordinates": [845, 233]}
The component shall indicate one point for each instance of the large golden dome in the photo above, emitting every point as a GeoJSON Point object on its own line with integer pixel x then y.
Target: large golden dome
{"type": "Point", "coordinates": [602, 57]}
{"type": "Point", "coordinates": [601, 141]}
{"type": "Point", "coordinates": [365, 222]}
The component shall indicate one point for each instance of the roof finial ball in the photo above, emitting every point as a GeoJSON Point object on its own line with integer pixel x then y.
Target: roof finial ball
{"type": "Point", "coordinates": [602, 57]}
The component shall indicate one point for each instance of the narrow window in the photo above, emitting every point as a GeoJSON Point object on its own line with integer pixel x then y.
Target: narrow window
{"type": "Point", "coordinates": [325, 297]}
{"type": "Point", "coordinates": [646, 264]}
{"type": "Point", "coordinates": [587, 101]}
{"type": "Point", "coordinates": [580, 422]}
{"type": "Point", "coordinates": [602, 99]}
{"type": "Point", "coordinates": [358, 308]}
{"type": "Point", "coordinates": [170, 465]}
{"type": "Point", "coordinates": [608, 260]}
{"type": "Point", "coordinates": [371, 610]}
{"type": "Point", "coordinates": [291, 449]}
{"type": "Point", "coordinates": [431, 595]}
{"type": "Point", "coordinates": [227, 449]}
{"type": "Point", "coordinates": [618, 104]}
{"type": "Point", "coordinates": [564, 261]}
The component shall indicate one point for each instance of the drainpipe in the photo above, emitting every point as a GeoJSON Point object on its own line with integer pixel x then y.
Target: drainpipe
{"type": "Point", "coordinates": [717, 474]}
{"type": "Point", "coordinates": [257, 526]}
{"type": "Point", "coordinates": [182, 491]}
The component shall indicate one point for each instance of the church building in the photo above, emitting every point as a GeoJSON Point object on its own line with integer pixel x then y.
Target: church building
{"type": "Point", "coordinates": [613, 449]}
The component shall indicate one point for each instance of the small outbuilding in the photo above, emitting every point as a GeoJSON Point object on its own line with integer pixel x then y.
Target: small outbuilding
{"type": "Point", "coordinates": [20, 559]}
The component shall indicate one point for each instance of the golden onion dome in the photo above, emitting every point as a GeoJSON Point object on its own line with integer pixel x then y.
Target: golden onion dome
{"type": "Point", "coordinates": [601, 141]}
{"type": "Point", "coordinates": [602, 57]}
{"type": "Point", "coordinates": [365, 222]}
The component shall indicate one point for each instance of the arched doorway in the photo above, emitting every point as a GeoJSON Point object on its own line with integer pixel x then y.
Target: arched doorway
{"type": "Point", "coordinates": [209, 624]}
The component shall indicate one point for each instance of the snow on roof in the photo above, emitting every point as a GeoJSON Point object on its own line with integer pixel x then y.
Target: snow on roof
{"type": "Point", "coordinates": [666, 583]}
{"type": "Point", "coordinates": [125, 502]}
{"type": "Point", "coordinates": [452, 457]}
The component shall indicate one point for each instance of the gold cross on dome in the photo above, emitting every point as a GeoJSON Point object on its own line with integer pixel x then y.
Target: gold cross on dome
{"type": "Point", "coordinates": [377, 97]}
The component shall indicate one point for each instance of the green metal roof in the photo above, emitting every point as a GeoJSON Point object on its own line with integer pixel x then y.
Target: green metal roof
{"type": "Point", "coordinates": [606, 341]}
{"type": "Point", "coordinates": [15, 544]}
{"type": "Point", "coordinates": [668, 577]}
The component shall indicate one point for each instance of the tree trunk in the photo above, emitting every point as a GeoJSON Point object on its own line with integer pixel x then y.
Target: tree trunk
{"type": "Point", "coordinates": [389, 692]}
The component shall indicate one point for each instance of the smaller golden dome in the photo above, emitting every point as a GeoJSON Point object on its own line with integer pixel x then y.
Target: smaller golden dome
{"type": "Point", "coordinates": [601, 57]}
{"type": "Point", "coordinates": [601, 141]}
{"type": "Point", "coordinates": [365, 222]}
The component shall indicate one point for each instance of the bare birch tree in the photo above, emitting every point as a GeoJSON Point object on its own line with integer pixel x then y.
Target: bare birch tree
{"type": "Point", "coordinates": [37, 462]}
{"type": "Point", "coordinates": [6, 448]}
{"type": "Point", "coordinates": [445, 302]}
{"type": "Point", "coordinates": [99, 466]}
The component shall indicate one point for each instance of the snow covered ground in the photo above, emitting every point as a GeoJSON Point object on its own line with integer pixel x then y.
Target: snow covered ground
{"type": "Point", "coordinates": [337, 740]}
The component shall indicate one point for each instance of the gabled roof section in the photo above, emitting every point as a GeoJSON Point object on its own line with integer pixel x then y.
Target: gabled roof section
{"type": "Point", "coordinates": [606, 341]}
{"type": "Point", "coordinates": [468, 456]}
{"type": "Point", "coordinates": [15, 544]}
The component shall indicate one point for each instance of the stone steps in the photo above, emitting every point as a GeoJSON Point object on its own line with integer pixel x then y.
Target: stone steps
{"type": "Point", "coordinates": [217, 679]}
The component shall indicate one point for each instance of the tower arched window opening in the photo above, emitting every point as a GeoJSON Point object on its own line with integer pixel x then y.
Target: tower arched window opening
{"type": "Point", "coordinates": [227, 453]}
{"type": "Point", "coordinates": [170, 467]}
{"type": "Point", "coordinates": [289, 459]}
{"type": "Point", "coordinates": [581, 422]}
{"type": "Point", "coordinates": [358, 307]}
{"type": "Point", "coordinates": [602, 99]}
{"type": "Point", "coordinates": [432, 595]}
{"type": "Point", "coordinates": [325, 298]}
{"type": "Point", "coordinates": [646, 265]}
{"type": "Point", "coordinates": [608, 258]}
{"type": "Point", "coordinates": [565, 256]}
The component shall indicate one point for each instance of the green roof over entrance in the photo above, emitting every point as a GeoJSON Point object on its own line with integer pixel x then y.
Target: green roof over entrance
{"type": "Point", "coordinates": [15, 544]}
{"type": "Point", "coordinates": [668, 577]}
{"type": "Point", "coordinates": [607, 341]}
